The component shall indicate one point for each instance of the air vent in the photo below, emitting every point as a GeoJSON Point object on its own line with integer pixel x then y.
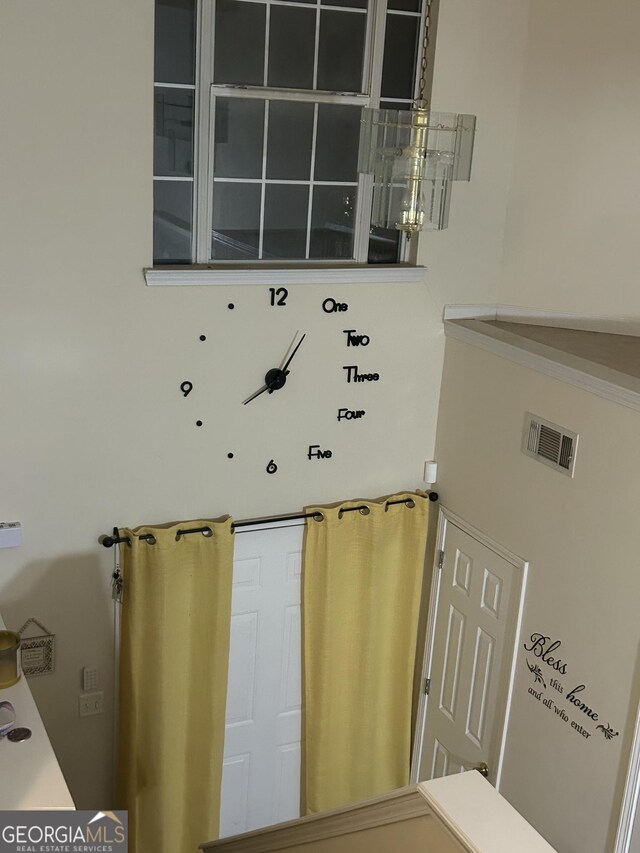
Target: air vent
{"type": "Point", "coordinates": [549, 443]}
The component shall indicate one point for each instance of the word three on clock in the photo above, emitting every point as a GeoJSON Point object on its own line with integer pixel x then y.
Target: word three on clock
{"type": "Point", "coordinates": [354, 375]}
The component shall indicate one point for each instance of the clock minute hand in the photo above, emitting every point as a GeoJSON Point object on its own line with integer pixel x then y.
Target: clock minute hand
{"type": "Point", "coordinates": [290, 359]}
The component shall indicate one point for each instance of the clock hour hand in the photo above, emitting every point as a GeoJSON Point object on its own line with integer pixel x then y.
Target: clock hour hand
{"type": "Point", "coordinates": [257, 394]}
{"type": "Point", "coordinates": [277, 376]}
{"type": "Point", "coordinates": [274, 379]}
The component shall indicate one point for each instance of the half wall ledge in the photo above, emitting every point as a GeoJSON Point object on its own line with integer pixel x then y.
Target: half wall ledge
{"type": "Point", "coordinates": [456, 813]}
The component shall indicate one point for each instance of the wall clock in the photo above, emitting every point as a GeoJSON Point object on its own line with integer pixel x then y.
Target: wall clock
{"type": "Point", "coordinates": [316, 386]}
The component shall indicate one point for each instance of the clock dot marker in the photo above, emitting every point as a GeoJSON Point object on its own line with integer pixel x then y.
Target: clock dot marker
{"type": "Point", "coordinates": [231, 306]}
{"type": "Point", "coordinates": [229, 455]}
{"type": "Point", "coordinates": [198, 423]}
{"type": "Point", "coordinates": [203, 337]}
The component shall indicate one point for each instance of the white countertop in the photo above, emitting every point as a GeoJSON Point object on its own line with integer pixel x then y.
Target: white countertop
{"type": "Point", "coordinates": [30, 776]}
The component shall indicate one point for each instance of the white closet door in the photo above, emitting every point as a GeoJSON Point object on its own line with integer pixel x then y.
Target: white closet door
{"type": "Point", "coordinates": [261, 773]}
{"type": "Point", "coordinates": [478, 608]}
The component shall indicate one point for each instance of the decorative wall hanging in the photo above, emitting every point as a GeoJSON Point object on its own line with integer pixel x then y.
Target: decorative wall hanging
{"type": "Point", "coordinates": [38, 652]}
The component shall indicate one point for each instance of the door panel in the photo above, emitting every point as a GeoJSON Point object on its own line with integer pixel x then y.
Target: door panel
{"type": "Point", "coordinates": [476, 617]}
{"type": "Point", "coordinates": [261, 771]}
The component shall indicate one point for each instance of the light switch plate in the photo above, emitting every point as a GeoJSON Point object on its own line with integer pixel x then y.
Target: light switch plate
{"type": "Point", "coordinates": [89, 678]}
{"type": "Point", "coordinates": [430, 472]}
{"type": "Point", "coordinates": [10, 534]}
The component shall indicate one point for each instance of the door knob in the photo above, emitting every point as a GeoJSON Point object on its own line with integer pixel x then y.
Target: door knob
{"type": "Point", "coordinates": [482, 769]}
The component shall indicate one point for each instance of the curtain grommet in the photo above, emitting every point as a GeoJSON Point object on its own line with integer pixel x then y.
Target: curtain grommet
{"type": "Point", "coordinates": [318, 516]}
{"type": "Point", "coordinates": [207, 532]}
{"type": "Point", "coordinates": [151, 540]}
{"type": "Point", "coordinates": [410, 503]}
{"type": "Point", "coordinates": [364, 510]}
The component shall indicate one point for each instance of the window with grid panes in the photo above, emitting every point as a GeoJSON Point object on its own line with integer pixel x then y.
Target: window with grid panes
{"type": "Point", "coordinates": [257, 125]}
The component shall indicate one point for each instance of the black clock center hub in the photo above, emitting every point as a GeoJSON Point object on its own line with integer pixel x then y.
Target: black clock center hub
{"type": "Point", "coordinates": [275, 378]}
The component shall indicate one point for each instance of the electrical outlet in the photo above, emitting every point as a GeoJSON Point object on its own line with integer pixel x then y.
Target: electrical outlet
{"type": "Point", "coordinates": [91, 703]}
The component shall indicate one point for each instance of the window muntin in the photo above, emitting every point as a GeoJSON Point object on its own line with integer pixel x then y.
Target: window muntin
{"type": "Point", "coordinates": [290, 44]}
{"type": "Point", "coordinates": [175, 42]}
{"type": "Point", "coordinates": [174, 117]}
{"type": "Point", "coordinates": [266, 155]}
{"type": "Point", "coordinates": [172, 221]}
{"type": "Point", "coordinates": [301, 159]}
{"type": "Point", "coordinates": [174, 123]}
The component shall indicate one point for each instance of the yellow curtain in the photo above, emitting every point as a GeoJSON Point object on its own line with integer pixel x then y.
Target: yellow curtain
{"type": "Point", "coordinates": [176, 615]}
{"type": "Point", "coordinates": [362, 581]}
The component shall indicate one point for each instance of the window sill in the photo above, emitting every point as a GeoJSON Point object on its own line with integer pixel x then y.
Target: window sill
{"type": "Point", "coordinates": [397, 273]}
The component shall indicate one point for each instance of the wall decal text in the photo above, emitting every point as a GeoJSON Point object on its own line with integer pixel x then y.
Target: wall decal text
{"type": "Point", "coordinates": [541, 646]}
{"type": "Point", "coordinates": [350, 414]}
{"type": "Point", "coordinates": [330, 306]}
{"type": "Point", "coordinates": [354, 340]}
{"type": "Point", "coordinates": [315, 452]}
{"type": "Point", "coordinates": [354, 376]}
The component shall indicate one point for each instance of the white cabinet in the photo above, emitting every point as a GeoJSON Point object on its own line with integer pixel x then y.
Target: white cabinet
{"type": "Point", "coordinates": [31, 777]}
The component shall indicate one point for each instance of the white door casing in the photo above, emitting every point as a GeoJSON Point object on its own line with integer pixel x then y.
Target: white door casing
{"type": "Point", "coordinates": [261, 770]}
{"type": "Point", "coordinates": [628, 831]}
{"type": "Point", "coordinates": [474, 620]}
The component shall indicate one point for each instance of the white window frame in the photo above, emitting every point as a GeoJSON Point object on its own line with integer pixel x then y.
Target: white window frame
{"type": "Point", "coordinates": [205, 270]}
{"type": "Point", "coordinates": [205, 195]}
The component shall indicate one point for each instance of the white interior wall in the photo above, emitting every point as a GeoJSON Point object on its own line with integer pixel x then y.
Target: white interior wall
{"type": "Point", "coordinates": [569, 246]}
{"type": "Point", "coordinates": [478, 65]}
{"type": "Point", "coordinates": [580, 536]}
{"type": "Point", "coordinates": [75, 219]}
{"type": "Point", "coordinates": [574, 205]}
{"type": "Point", "coordinates": [92, 434]}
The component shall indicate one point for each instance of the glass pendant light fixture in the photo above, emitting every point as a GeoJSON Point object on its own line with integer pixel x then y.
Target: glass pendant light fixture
{"type": "Point", "coordinates": [414, 156]}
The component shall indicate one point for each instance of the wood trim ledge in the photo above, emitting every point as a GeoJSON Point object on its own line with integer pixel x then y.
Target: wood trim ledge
{"type": "Point", "coordinates": [603, 381]}
{"type": "Point", "coordinates": [373, 274]}
{"type": "Point", "coordinates": [396, 806]}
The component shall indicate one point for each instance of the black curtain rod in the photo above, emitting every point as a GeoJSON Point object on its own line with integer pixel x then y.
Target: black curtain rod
{"type": "Point", "coordinates": [110, 541]}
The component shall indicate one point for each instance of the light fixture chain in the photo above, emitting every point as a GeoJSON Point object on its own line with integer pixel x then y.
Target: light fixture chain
{"type": "Point", "coordinates": [425, 49]}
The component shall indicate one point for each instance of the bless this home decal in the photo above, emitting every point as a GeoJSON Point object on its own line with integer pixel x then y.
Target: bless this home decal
{"type": "Point", "coordinates": [541, 648]}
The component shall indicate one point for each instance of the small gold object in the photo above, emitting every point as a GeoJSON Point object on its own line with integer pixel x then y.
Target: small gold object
{"type": "Point", "coordinates": [9, 665]}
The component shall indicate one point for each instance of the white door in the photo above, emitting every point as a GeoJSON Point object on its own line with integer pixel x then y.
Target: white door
{"type": "Point", "coordinates": [261, 772]}
{"type": "Point", "coordinates": [475, 610]}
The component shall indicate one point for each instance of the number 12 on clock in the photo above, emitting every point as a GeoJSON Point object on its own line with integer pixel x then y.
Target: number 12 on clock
{"type": "Point", "coordinates": [278, 296]}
